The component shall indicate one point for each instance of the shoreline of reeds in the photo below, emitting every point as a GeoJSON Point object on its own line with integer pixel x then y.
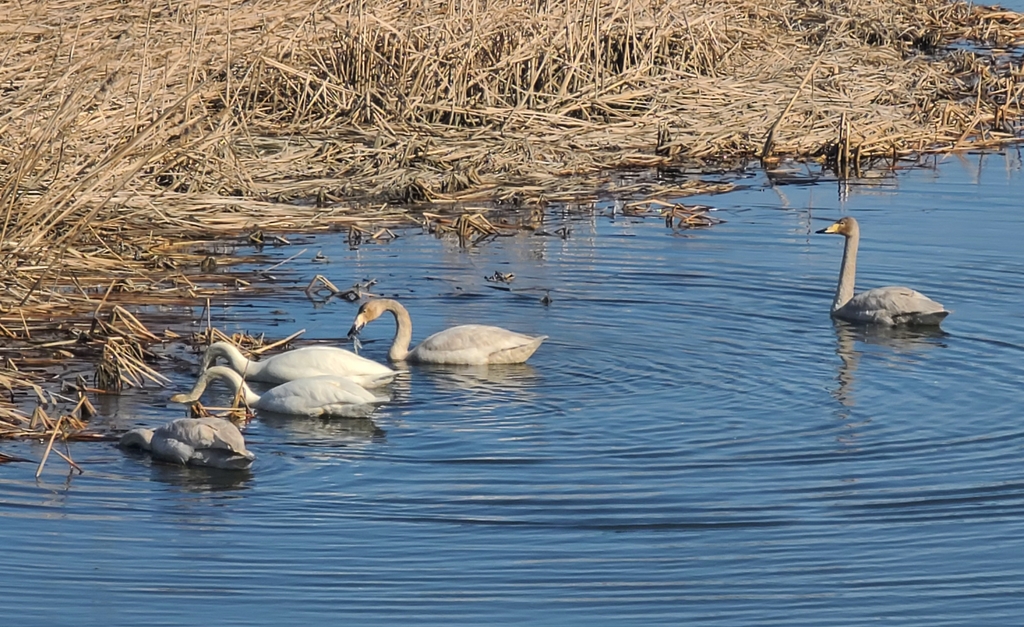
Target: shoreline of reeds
{"type": "Point", "coordinates": [138, 139]}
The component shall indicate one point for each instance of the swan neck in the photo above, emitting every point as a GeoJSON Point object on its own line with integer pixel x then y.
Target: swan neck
{"type": "Point", "coordinates": [847, 272]}
{"type": "Point", "coordinates": [238, 361]}
{"type": "Point", "coordinates": [403, 332]}
{"type": "Point", "coordinates": [229, 376]}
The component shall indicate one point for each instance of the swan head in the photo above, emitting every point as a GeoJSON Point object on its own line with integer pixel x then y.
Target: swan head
{"type": "Point", "coordinates": [137, 438]}
{"type": "Point", "coordinates": [368, 312]}
{"type": "Point", "coordinates": [845, 227]}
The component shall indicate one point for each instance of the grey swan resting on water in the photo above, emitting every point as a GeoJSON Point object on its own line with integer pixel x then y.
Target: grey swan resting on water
{"type": "Point", "coordinates": [212, 442]}
{"type": "Point", "coordinates": [890, 306]}
{"type": "Point", "coordinates": [300, 363]}
{"type": "Point", "coordinates": [324, 395]}
{"type": "Point", "coordinates": [468, 344]}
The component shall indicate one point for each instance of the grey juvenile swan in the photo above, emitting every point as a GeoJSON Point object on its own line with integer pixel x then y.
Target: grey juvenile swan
{"type": "Point", "coordinates": [890, 306]}
{"type": "Point", "coordinates": [210, 442]}
{"type": "Point", "coordinates": [468, 344]}
{"type": "Point", "coordinates": [325, 395]}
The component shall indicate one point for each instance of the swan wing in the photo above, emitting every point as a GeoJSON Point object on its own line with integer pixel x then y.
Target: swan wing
{"type": "Point", "coordinates": [312, 361]}
{"type": "Point", "coordinates": [317, 396]}
{"type": "Point", "coordinates": [203, 433]}
{"type": "Point", "coordinates": [476, 344]}
{"type": "Point", "coordinates": [892, 305]}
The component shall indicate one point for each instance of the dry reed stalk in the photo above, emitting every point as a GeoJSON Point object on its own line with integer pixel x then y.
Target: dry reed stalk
{"type": "Point", "coordinates": [360, 100]}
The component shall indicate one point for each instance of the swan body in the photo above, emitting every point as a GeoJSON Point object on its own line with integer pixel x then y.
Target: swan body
{"type": "Point", "coordinates": [889, 306]}
{"type": "Point", "coordinates": [310, 361]}
{"type": "Point", "coordinates": [324, 395]}
{"type": "Point", "coordinates": [468, 344]}
{"type": "Point", "coordinates": [212, 442]}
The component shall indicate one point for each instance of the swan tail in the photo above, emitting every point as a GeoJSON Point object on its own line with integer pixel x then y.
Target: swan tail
{"type": "Point", "coordinates": [376, 380]}
{"type": "Point", "coordinates": [518, 354]}
{"type": "Point", "coordinates": [921, 318]}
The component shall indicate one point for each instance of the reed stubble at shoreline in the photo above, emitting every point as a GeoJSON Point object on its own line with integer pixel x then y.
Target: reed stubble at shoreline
{"type": "Point", "coordinates": [128, 128]}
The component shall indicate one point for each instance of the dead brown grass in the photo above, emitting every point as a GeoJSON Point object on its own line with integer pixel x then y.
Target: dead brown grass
{"type": "Point", "coordinates": [129, 128]}
{"type": "Point", "coordinates": [181, 119]}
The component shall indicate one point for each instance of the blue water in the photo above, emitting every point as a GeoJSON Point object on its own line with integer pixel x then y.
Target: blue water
{"type": "Point", "coordinates": [695, 443]}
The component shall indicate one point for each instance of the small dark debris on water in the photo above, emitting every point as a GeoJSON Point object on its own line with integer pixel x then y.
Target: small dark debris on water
{"type": "Point", "coordinates": [320, 257]}
{"type": "Point", "coordinates": [546, 300]}
{"type": "Point", "coordinates": [501, 277]}
{"type": "Point", "coordinates": [320, 283]}
{"type": "Point", "coordinates": [679, 216]}
{"type": "Point", "coordinates": [563, 232]}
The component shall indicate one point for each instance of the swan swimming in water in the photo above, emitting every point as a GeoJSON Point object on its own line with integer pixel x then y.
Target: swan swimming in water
{"type": "Point", "coordinates": [890, 306]}
{"type": "Point", "coordinates": [310, 361]}
{"type": "Point", "coordinates": [212, 442]}
{"type": "Point", "coordinates": [324, 395]}
{"type": "Point", "coordinates": [468, 344]}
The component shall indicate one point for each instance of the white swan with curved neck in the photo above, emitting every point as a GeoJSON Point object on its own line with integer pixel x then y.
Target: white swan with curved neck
{"type": "Point", "coordinates": [890, 306]}
{"type": "Point", "coordinates": [212, 442]}
{"type": "Point", "coordinates": [310, 361]}
{"type": "Point", "coordinates": [468, 344]}
{"type": "Point", "coordinates": [324, 395]}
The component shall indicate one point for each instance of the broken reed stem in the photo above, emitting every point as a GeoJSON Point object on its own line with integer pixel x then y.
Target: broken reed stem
{"type": "Point", "coordinates": [766, 150]}
{"type": "Point", "coordinates": [49, 447]}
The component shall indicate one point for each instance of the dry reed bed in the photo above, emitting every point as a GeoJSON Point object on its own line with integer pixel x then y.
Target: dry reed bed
{"type": "Point", "coordinates": [129, 131]}
{"type": "Point", "coordinates": [126, 126]}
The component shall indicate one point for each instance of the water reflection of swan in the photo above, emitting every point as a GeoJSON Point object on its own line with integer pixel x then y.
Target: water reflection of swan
{"type": "Point", "coordinates": [892, 305]}
{"type": "Point", "coordinates": [468, 377]}
{"type": "Point", "coordinates": [192, 479]}
{"type": "Point", "coordinates": [310, 361]}
{"type": "Point", "coordinates": [340, 430]}
{"type": "Point", "coordinates": [313, 396]}
{"type": "Point", "coordinates": [899, 339]}
{"type": "Point", "coordinates": [468, 344]}
{"type": "Point", "coordinates": [209, 442]}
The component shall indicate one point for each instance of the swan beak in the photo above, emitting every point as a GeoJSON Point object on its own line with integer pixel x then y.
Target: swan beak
{"type": "Point", "coordinates": [832, 228]}
{"type": "Point", "coordinates": [357, 326]}
{"type": "Point", "coordinates": [180, 398]}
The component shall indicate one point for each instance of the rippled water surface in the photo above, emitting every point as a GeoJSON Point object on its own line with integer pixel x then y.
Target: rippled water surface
{"type": "Point", "coordinates": [696, 442]}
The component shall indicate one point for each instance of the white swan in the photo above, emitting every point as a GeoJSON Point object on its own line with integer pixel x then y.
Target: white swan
{"type": "Point", "coordinates": [310, 361]}
{"type": "Point", "coordinates": [194, 441]}
{"type": "Point", "coordinates": [468, 344]}
{"type": "Point", "coordinates": [892, 305]}
{"type": "Point", "coordinates": [325, 395]}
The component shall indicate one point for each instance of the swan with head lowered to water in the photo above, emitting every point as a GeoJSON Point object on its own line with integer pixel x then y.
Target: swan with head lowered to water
{"type": "Point", "coordinates": [323, 396]}
{"type": "Point", "coordinates": [468, 344]}
{"type": "Point", "coordinates": [890, 306]}
{"type": "Point", "coordinates": [310, 361]}
{"type": "Point", "coordinates": [212, 442]}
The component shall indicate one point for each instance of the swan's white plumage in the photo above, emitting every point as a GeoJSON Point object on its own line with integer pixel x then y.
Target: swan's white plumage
{"type": "Point", "coordinates": [193, 441]}
{"type": "Point", "coordinates": [469, 344]}
{"type": "Point", "coordinates": [309, 361]}
{"type": "Point", "coordinates": [475, 344]}
{"type": "Point", "coordinates": [324, 395]}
